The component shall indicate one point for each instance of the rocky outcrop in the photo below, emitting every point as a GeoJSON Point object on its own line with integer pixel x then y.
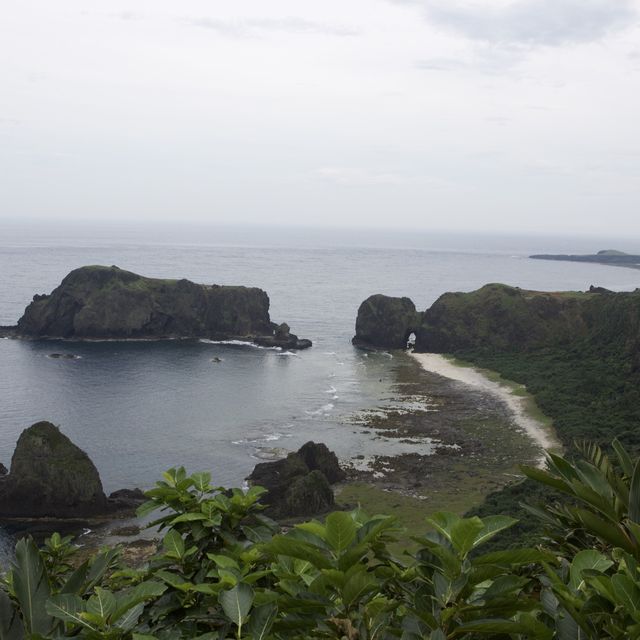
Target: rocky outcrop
{"type": "Point", "coordinates": [385, 322]}
{"type": "Point", "coordinates": [99, 302]}
{"type": "Point", "coordinates": [50, 476]}
{"type": "Point", "coordinates": [300, 484]}
{"type": "Point", "coordinates": [500, 318]}
{"type": "Point", "coordinates": [283, 338]}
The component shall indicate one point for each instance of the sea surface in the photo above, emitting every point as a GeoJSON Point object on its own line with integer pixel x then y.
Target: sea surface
{"type": "Point", "coordinates": [139, 408]}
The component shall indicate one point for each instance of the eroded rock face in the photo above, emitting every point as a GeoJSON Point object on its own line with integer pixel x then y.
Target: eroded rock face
{"type": "Point", "coordinates": [110, 303]}
{"type": "Point", "coordinates": [385, 322]}
{"type": "Point", "coordinates": [50, 476]}
{"type": "Point", "coordinates": [300, 484]}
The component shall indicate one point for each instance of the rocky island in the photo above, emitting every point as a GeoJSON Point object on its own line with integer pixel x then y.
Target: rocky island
{"type": "Point", "coordinates": [101, 303]}
{"type": "Point", "coordinates": [610, 257]}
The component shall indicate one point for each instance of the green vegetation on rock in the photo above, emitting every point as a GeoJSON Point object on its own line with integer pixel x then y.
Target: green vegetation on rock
{"type": "Point", "coordinates": [50, 476]}
{"type": "Point", "coordinates": [110, 303]}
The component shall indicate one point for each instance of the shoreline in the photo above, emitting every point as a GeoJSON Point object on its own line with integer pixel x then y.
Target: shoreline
{"type": "Point", "coordinates": [518, 404]}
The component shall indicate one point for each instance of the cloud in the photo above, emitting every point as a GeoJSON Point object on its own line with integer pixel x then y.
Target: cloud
{"type": "Point", "coordinates": [530, 22]}
{"type": "Point", "coordinates": [257, 26]}
{"type": "Point", "coordinates": [354, 176]}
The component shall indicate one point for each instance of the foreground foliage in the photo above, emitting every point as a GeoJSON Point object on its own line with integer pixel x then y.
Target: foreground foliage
{"type": "Point", "coordinates": [223, 570]}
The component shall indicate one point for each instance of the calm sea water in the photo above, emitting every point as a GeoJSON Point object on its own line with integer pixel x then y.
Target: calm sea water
{"type": "Point", "coordinates": [139, 408]}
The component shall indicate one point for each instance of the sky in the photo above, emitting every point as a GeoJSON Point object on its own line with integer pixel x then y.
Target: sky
{"type": "Point", "coordinates": [493, 115]}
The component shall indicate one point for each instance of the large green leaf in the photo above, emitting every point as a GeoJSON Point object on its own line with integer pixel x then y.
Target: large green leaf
{"type": "Point", "coordinates": [358, 583]}
{"type": "Point", "coordinates": [31, 585]}
{"type": "Point", "coordinates": [514, 557]}
{"type": "Point", "coordinates": [129, 620]}
{"type": "Point", "coordinates": [102, 604]}
{"type": "Point", "coordinates": [443, 522]}
{"type": "Point", "coordinates": [126, 600]}
{"type": "Point", "coordinates": [236, 603]}
{"type": "Point", "coordinates": [340, 530]}
{"type": "Point", "coordinates": [173, 545]}
{"type": "Point", "coordinates": [289, 546]}
{"type": "Point", "coordinates": [587, 559]}
{"type": "Point", "coordinates": [68, 607]}
{"type": "Point", "coordinates": [10, 624]}
{"type": "Point", "coordinates": [261, 621]}
{"type": "Point", "coordinates": [627, 592]}
{"type": "Point", "coordinates": [623, 458]}
{"type": "Point", "coordinates": [491, 526]}
{"type": "Point", "coordinates": [634, 495]}
{"type": "Point", "coordinates": [463, 534]}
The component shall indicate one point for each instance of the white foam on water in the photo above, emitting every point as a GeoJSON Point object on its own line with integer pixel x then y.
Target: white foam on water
{"type": "Point", "coordinates": [331, 389]}
{"type": "Point", "coordinates": [239, 343]}
{"type": "Point", "coordinates": [324, 409]}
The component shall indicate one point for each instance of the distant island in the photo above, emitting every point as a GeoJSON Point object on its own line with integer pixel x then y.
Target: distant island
{"type": "Point", "coordinates": [610, 257]}
{"type": "Point", "coordinates": [109, 303]}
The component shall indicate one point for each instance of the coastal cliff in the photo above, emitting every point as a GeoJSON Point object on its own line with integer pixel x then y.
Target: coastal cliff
{"type": "Point", "coordinates": [98, 302]}
{"type": "Point", "coordinates": [499, 318]}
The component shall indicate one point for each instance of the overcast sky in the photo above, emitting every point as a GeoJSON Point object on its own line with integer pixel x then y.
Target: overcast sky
{"type": "Point", "coordinates": [514, 115]}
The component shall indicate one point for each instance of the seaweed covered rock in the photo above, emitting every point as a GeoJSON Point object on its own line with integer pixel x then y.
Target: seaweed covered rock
{"type": "Point", "coordinates": [300, 484]}
{"type": "Point", "coordinates": [110, 303]}
{"type": "Point", "coordinates": [385, 322]}
{"type": "Point", "coordinates": [50, 476]}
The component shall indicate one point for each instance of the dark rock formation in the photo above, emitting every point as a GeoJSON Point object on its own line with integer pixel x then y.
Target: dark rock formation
{"type": "Point", "coordinates": [3, 470]}
{"type": "Point", "coordinates": [300, 484]}
{"type": "Point", "coordinates": [385, 322]}
{"type": "Point", "coordinates": [50, 476]}
{"type": "Point", "coordinates": [309, 495]}
{"type": "Point", "coordinates": [127, 499]}
{"type": "Point", "coordinates": [319, 457]}
{"type": "Point", "coordinates": [282, 338]}
{"type": "Point", "coordinates": [99, 302]}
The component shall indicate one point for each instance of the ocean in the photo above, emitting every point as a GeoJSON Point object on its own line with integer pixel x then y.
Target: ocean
{"type": "Point", "coordinates": [139, 408]}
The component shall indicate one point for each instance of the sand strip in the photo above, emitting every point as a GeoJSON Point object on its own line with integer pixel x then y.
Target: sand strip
{"type": "Point", "coordinates": [517, 405]}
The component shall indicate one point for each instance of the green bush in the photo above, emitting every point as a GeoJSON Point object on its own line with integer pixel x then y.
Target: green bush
{"type": "Point", "coordinates": [223, 570]}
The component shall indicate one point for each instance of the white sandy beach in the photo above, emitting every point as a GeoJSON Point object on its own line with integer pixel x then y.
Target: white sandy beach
{"type": "Point", "coordinates": [517, 405]}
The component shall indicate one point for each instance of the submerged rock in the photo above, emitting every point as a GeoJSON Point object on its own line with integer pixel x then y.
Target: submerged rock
{"type": "Point", "coordinates": [385, 322]}
{"type": "Point", "coordinates": [98, 302]}
{"type": "Point", "coordinates": [50, 476]}
{"type": "Point", "coordinates": [300, 484]}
